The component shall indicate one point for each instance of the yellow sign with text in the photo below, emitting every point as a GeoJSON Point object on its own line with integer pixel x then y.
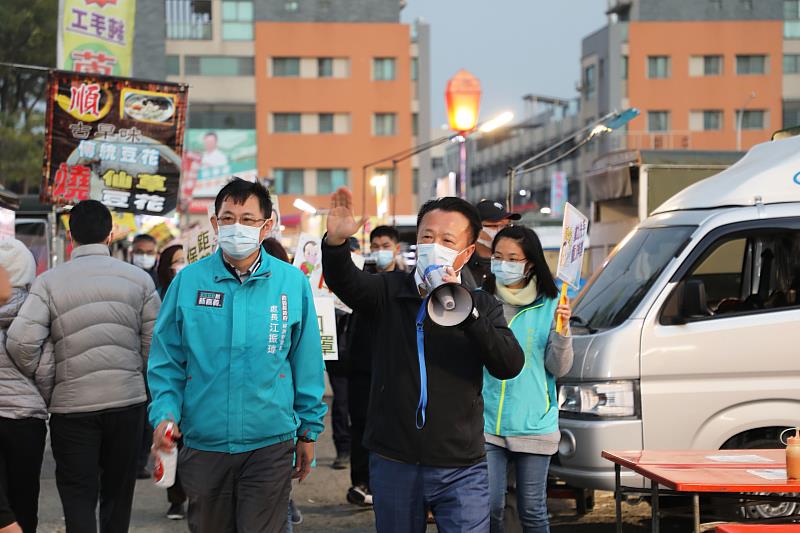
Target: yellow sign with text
{"type": "Point", "coordinates": [96, 36]}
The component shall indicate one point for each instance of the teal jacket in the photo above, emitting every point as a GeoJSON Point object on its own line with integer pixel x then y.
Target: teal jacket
{"type": "Point", "coordinates": [526, 404]}
{"type": "Point", "coordinates": [238, 366]}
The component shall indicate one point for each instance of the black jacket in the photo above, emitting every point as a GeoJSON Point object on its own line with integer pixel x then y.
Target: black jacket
{"type": "Point", "coordinates": [455, 357]}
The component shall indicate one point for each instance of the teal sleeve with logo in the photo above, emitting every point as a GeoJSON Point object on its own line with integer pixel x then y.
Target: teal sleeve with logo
{"type": "Point", "coordinates": [307, 365]}
{"type": "Point", "coordinates": [166, 367]}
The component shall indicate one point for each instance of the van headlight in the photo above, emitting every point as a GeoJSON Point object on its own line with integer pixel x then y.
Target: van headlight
{"type": "Point", "coordinates": [603, 399]}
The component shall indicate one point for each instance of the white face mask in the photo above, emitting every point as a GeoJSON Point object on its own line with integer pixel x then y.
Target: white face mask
{"type": "Point", "coordinates": [384, 258]}
{"type": "Point", "coordinates": [178, 267]}
{"type": "Point", "coordinates": [492, 233]}
{"type": "Point", "coordinates": [508, 272]}
{"type": "Point", "coordinates": [239, 241]}
{"type": "Point", "coordinates": [144, 261]}
{"type": "Point", "coordinates": [434, 254]}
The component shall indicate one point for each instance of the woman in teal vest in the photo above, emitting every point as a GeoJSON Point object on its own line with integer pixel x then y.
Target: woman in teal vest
{"type": "Point", "coordinates": [521, 414]}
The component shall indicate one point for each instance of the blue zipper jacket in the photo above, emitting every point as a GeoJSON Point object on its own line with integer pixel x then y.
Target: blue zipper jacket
{"type": "Point", "coordinates": [526, 404]}
{"type": "Point", "coordinates": [238, 366]}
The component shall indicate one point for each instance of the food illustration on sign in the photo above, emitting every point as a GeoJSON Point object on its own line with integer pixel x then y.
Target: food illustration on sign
{"type": "Point", "coordinates": [147, 106]}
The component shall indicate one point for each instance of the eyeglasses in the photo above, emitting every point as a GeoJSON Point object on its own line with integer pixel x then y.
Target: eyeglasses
{"type": "Point", "coordinates": [227, 220]}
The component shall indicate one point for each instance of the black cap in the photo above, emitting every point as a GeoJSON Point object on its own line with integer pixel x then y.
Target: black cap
{"type": "Point", "coordinates": [495, 211]}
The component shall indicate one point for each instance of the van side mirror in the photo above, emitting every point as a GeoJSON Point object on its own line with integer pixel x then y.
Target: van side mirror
{"type": "Point", "coordinates": [694, 303]}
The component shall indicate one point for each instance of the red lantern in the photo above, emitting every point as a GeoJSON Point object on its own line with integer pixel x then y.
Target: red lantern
{"type": "Point", "coordinates": [463, 97]}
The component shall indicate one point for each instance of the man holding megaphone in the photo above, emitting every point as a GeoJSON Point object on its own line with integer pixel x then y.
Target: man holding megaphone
{"type": "Point", "coordinates": [431, 340]}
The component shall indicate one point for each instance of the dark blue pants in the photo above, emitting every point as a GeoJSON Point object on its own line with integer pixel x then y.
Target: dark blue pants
{"type": "Point", "coordinates": [458, 497]}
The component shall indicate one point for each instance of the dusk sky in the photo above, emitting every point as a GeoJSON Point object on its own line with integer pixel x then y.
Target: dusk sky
{"type": "Point", "coordinates": [514, 47]}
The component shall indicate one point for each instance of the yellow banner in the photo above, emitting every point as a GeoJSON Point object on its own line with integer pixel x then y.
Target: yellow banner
{"type": "Point", "coordinates": [97, 36]}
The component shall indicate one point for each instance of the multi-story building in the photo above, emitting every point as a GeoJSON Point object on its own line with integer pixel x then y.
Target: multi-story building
{"type": "Point", "coordinates": [302, 94]}
{"type": "Point", "coordinates": [706, 75]}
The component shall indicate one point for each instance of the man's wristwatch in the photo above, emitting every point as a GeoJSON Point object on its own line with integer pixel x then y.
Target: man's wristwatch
{"type": "Point", "coordinates": [303, 438]}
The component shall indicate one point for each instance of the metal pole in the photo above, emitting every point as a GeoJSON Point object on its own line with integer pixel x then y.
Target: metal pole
{"type": "Point", "coordinates": [739, 130]}
{"type": "Point", "coordinates": [618, 495]}
{"type": "Point", "coordinates": [394, 192]}
{"type": "Point", "coordinates": [463, 167]}
{"type": "Point", "coordinates": [53, 217]}
{"type": "Point", "coordinates": [696, 511]}
{"type": "Point", "coordinates": [654, 504]}
{"type": "Point", "coordinates": [364, 203]}
{"type": "Point", "coordinates": [510, 188]}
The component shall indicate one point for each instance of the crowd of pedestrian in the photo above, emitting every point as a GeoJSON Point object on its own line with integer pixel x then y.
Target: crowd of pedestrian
{"type": "Point", "coordinates": [222, 359]}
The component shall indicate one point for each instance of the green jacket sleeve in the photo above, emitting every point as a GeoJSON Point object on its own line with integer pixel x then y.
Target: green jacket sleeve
{"type": "Point", "coordinates": [305, 358]}
{"type": "Point", "coordinates": [166, 366]}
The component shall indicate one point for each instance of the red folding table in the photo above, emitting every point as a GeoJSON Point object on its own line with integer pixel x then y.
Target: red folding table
{"type": "Point", "coordinates": [724, 473]}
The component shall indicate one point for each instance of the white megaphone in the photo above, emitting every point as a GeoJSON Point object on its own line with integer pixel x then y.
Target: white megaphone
{"type": "Point", "coordinates": [449, 304]}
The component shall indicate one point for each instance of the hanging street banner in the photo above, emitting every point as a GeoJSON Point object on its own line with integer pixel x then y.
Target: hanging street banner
{"type": "Point", "coordinates": [119, 141]}
{"type": "Point", "coordinates": [96, 36]}
{"type": "Point", "coordinates": [214, 157]}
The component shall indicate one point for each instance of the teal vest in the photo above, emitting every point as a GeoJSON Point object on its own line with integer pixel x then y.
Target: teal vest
{"type": "Point", "coordinates": [527, 404]}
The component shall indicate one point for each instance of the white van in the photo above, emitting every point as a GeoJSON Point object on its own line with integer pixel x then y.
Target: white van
{"type": "Point", "coordinates": [688, 337]}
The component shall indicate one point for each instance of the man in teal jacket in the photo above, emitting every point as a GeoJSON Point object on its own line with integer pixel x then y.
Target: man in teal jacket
{"type": "Point", "coordinates": [236, 364]}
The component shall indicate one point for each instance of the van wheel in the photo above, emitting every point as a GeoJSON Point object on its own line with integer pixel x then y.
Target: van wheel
{"type": "Point", "coordinates": [762, 510]}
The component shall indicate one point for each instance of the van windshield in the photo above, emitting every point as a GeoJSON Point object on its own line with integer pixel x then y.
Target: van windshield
{"type": "Point", "coordinates": [615, 291]}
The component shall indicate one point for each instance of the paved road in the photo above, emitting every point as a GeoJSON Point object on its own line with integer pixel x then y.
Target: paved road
{"type": "Point", "coordinates": [321, 498]}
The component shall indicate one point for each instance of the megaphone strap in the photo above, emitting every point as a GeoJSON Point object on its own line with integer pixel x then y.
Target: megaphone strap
{"type": "Point", "coordinates": [423, 371]}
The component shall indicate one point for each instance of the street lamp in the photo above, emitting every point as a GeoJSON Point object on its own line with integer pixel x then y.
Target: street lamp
{"type": "Point", "coordinates": [380, 182]}
{"type": "Point", "coordinates": [749, 99]}
{"type": "Point", "coordinates": [304, 206]}
{"type": "Point", "coordinates": [605, 124]}
{"type": "Point", "coordinates": [497, 122]}
{"type": "Point", "coordinates": [463, 98]}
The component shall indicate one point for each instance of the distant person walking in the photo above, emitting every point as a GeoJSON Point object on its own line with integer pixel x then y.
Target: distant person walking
{"type": "Point", "coordinates": [100, 312]}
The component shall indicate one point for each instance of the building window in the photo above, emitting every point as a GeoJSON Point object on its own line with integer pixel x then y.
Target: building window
{"type": "Point", "coordinates": [383, 69]}
{"type": "Point", "coordinates": [326, 122]}
{"type": "Point", "coordinates": [222, 116]}
{"type": "Point", "coordinates": [658, 67]}
{"type": "Point", "coordinates": [285, 67]}
{"type": "Point", "coordinates": [712, 120]}
{"type": "Point", "coordinates": [752, 119]}
{"type": "Point", "coordinates": [791, 64]}
{"type": "Point", "coordinates": [291, 7]}
{"type": "Point", "coordinates": [658, 121]}
{"type": "Point", "coordinates": [286, 122]}
{"type": "Point", "coordinates": [237, 20]}
{"type": "Point", "coordinates": [414, 124]}
{"type": "Point", "coordinates": [705, 65]}
{"type": "Point", "coordinates": [791, 113]}
{"type": "Point", "coordinates": [188, 19]}
{"type": "Point", "coordinates": [329, 180]}
{"type": "Point", "coordinates": [415, 180]}
{"type": "Point", "coordinates": [218, 66]}
{"type": "Point", "coordinates": [414, 68]}
{"type": "Point", "coordinates": [589, 81]}
{"type": "Point", "coordinates": [384, 124]}
{"type": "Point", "coordinates": [791, 19]}
{"type": "Point", "coordinates": [289, 180]}
{"type": "Point", "coordinates": [173, 65]}
{"type": "Point", "coordinates": [325, 67]}
{"type": "Point", "coordinates": [751, 64]}
{"type": "Point", "coordinates": [624, 68]}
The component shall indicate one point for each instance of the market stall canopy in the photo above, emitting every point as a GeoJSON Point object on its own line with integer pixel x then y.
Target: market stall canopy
{"type": "Point", "coordinates": [769, 173]}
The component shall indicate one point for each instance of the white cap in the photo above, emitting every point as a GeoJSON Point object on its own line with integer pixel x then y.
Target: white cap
{"type": "Point", "coordinates": [18, 261]}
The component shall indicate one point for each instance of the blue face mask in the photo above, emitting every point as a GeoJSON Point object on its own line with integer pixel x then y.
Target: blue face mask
{"type": "Point", "coordinates": [384, 258]}
{"type": "Point", "coordinates": [508, 272]}
{"type": "Point", "coordinates": [239, 241]}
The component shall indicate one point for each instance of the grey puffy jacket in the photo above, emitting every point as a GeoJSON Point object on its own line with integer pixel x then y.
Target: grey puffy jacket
{"type": "Point", "coordinates": [100, 313]}
{"type": "Point", "coordinates": [20, 396]}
